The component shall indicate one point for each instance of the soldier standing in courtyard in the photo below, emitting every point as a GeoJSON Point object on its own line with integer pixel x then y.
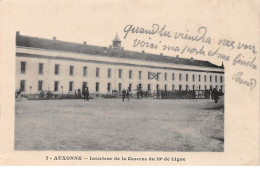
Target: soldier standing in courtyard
{"type": "Point", "coordinates": [127, 94]}
{"type": "Point", "coordinates": [87, 94]}
{"type": "Point", "coordinates": [138, 94]}
{"type": "Point", "coordinates": [215, 95]}
{"type": "Point", "coordinates": [84, 93]}
{"type": "Point", "coordinates": [124, 92]}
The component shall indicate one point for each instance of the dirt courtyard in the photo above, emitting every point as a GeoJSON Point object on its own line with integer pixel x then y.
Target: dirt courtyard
{"type": "Point", "coordinates": [114, 125]}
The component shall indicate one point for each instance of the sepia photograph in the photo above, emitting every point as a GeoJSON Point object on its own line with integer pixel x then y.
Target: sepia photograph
{"type": "Point", "coordinates": [83, 97]}
{"type": "Point", "coordinates": [129, 82]}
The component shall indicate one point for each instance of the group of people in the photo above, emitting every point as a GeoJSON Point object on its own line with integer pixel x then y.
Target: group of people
{"type": "Point", "coordinates": [125, 94]}
{"type": "Point", "coordinates": [176, 94]}
{"type": "Point", "coordinates": [186, 94]}
{"type": "Point", "coordinates": [85, 93]}
{"type": "Point", "coordinates": [158, 94]}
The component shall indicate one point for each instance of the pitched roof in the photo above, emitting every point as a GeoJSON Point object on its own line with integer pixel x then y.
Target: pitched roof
{"type": "Point", "coordinates": [34, 42]}
{"type": "Point", "coordinates": [117, 38]}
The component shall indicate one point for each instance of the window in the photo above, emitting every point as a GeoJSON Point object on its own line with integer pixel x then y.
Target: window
{"type": "Point", "coordinates": [205, 87]}
{"type": "Point", "coordinates": [193, 87]}
{"type": "Point", "coordinates": [70, 86]}
{"type": "Point", "coordinates": [40, 71]}
{"type": "Point", "coordinates": [97, 72]}
{"type": "Point", "coordinates": [187, 77]}
{"type": "Point", "coordinates": [173, 76]}
{"type": "Point", "coordinates": [57, 69]}
{"type": "Point", "coordinates": [40, 85]}
{"type": "Point", "coordinates": [187, 87]}
{"type": "Point", "coordinates": [119, 87]}
{"type": "Point", "coordinates": [221, 79]}
{"type": "Point", "coordinates": [210, 78]}
{"type": "Point", "coordinates": [157, 86]}
{"type": "Point", "coordinates": [108, 86]}
{"type": "Point", "coordinates": [120, 73]}
{"type": "Point", "coordinates": [165, 76]}
{"type": "Point", "coordinates": [205, 78]}
{"type": "Point", "coordinates": [56, 85]}
{"type": "Point", "coordinates": [193, 78]}
{"type": "Point", "coordinates": [140, 86]}
{"type": "Point", "coordinates": [180, 88]}
{"type": "Point", "coordinates": [165, 87]}
{"type": "Point", "coordinates": [71, 70]}
{"type": "Point", "coordinates": [216, 87]}
{"type": "Point", "coordinates": [173, 88]}
{"type": "Point", "coordinates": [179, 77]}
{"type": "Point", "coordinates": [84, 85]}
{"type": "Point", "coordinates": [22, 85]}
{"type": "Point", "coordinates": [23, 67]}
{"type": "Point", "coordinates": [140, 75]}
{"type": "Point", "coordinates": [221, 87]}
{"type": "Point", "coordinates": [130, 87]}
{"type": "Point", "coordinates": [97, 86]}
{"type": "Point", "coordinates": [149, 75]}
{"type": "Point", "coordinates": [211, 87]}
{"type": "Point", "coordinates": [199, 87]}
{"type": "Point", "coordinates": [130, 74]}
{"type": "Point", "coordinates": [85, 71]}
{"type": "Point", "coordinates": [149, 87]}
{"type": "Point", "coordinates": [216, 78]}
{"type": "Point", "coordinates": [199, 78]}
{"type": "Point", "coordinates": [109, 72]}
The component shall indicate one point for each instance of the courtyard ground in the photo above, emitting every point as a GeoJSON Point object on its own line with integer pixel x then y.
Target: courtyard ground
{"type": "Point", "coordinates": [114, 125]}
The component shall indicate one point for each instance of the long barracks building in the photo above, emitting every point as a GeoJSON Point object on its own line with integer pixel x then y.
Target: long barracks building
{"type": "Point", "coordinates": [63, 67]}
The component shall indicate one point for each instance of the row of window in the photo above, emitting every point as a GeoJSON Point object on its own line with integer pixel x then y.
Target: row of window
{"type": "Point", "coordinates": [151, 75]}
{"type": "Point", "coordinates": [85, 84]}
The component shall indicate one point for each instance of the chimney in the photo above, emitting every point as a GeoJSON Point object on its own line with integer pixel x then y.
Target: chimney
{"type": "Point", "coordinates": [84, 43]}
{"type": "Point", "coordinates": [54, 38]}
{"type": "Point", "coordinates": [222, 64]}
{"type": "Point", "coordinates": [18, 33]}
{"type": "Point", "coordinates": [191, 60]}
{"type": "Point", "coordinates": [177, 58]}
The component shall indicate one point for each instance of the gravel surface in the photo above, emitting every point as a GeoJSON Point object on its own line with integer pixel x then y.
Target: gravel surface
{"type": "Point", "coordinates": [113, 125]}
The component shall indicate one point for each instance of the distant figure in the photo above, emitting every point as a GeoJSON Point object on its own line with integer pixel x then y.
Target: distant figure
{"type": "Point", "coordinates": [127, 94]}
{"type": "Point", "coordinates": [178, 94]}
{"type": "Point", "coordinates": [215, 95]}
{"type": "Point", "coordinates": [200, 93]}
{"type": "Point", "coordinates": [79, 93]}
{"type": "Point", "coordinates": [196, 94]}
{"type": "Point", "coordinates": [84, 93]}
{"type": "Point", "coordinates": [18, 95]}
{"type": "Point", "coordinates": [87, 94]}
{"type": "Point", "coordinates": [141, 94]}
{"type": "Point", "coordinates": [124, 93]}
{"type": "Point", "coordinates": [42, 94]}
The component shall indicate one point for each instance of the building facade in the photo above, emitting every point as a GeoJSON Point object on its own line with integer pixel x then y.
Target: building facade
{"type": "Point", "coordinates": [63, 67]}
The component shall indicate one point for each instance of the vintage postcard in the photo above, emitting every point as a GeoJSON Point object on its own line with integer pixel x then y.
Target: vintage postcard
{"type": "Point", "coordinates": [129, 82]}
